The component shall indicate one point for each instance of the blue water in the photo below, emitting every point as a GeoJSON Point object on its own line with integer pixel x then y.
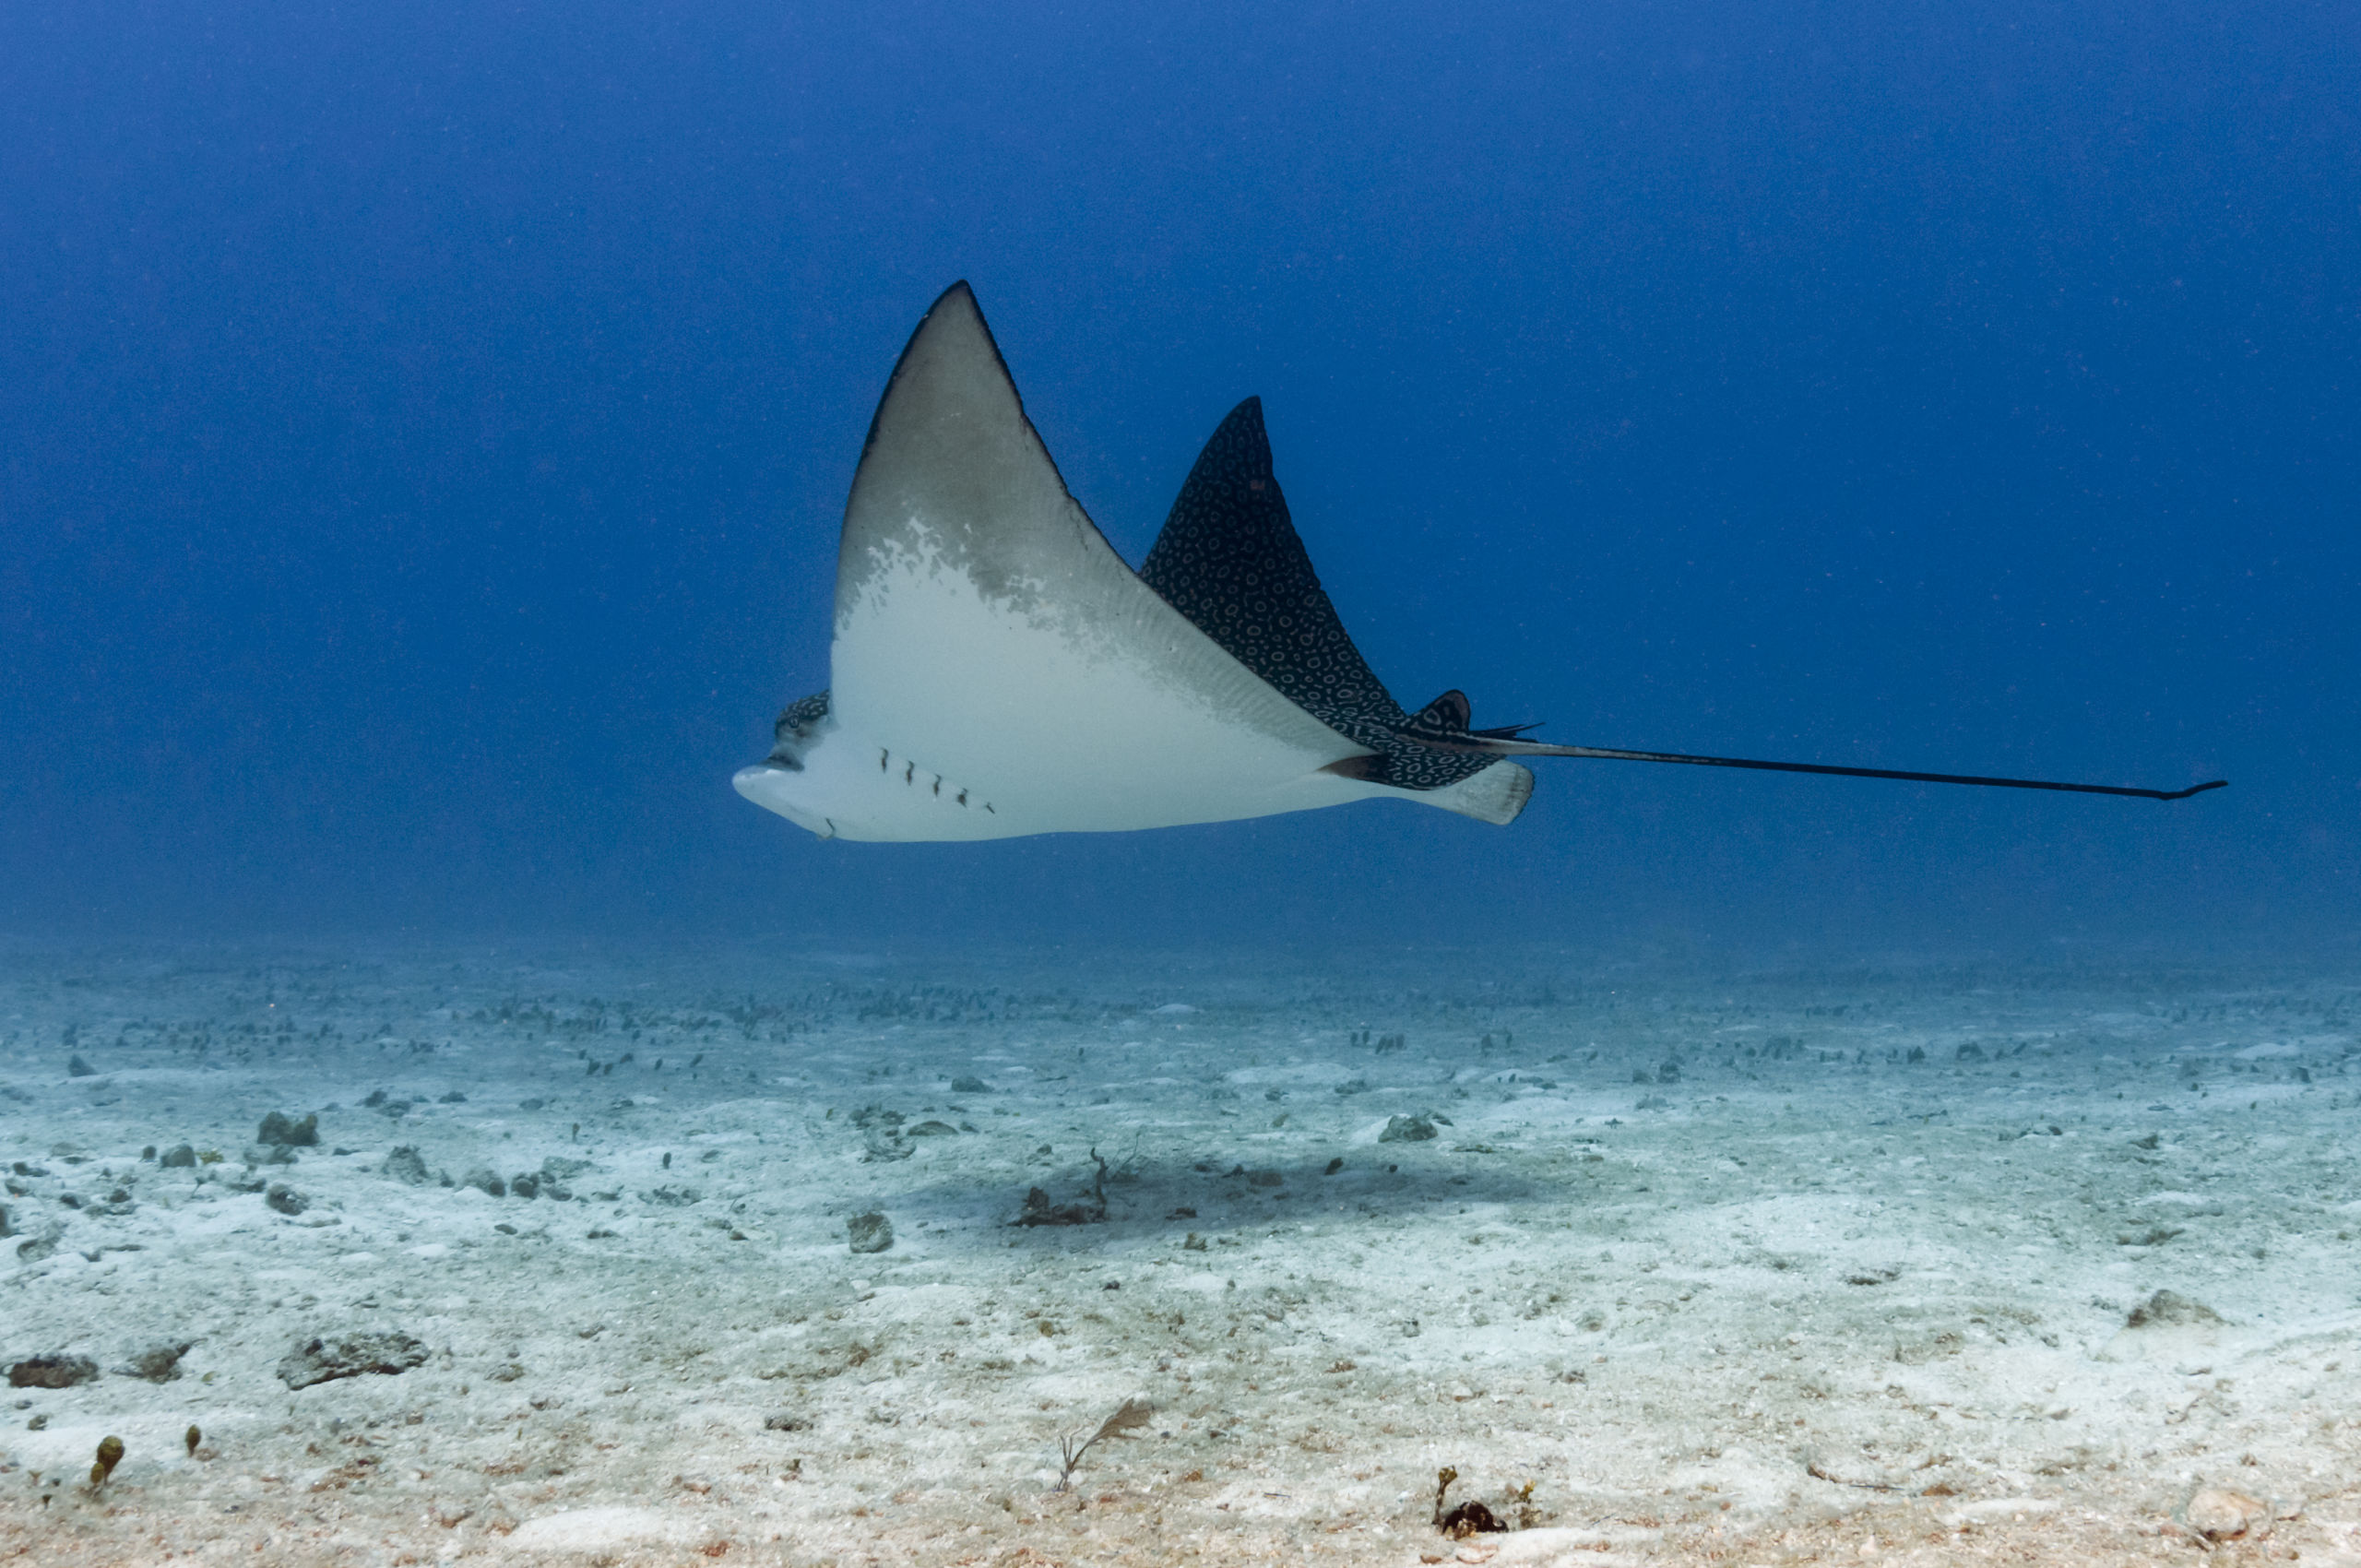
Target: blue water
{"type": "Point", "coordinates": [422, 431]}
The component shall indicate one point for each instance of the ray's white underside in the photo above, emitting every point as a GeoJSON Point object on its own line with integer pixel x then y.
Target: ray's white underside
{"type": "Point", "coordinates": [998, 670]}
{"type": "Point", "coordinates": [1100, 738]}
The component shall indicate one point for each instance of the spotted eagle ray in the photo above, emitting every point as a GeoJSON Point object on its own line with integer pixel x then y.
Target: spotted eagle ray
{"type": "Point", "coordinates": [998, 670]}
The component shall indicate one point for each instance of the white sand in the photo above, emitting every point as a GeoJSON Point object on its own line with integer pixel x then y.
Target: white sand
{"type": "Point", "coordinates": [1811, 1300]}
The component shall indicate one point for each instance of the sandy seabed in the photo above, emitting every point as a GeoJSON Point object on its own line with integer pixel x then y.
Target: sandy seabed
{"type": "Point", "coordinates": [1746, 1267]}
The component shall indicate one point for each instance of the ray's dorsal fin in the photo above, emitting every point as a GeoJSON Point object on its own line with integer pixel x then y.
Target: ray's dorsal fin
{"type": "Point", "coordinates": [1230, 559]}
{"type": "Point", "coordinates": [1444, 724]}
{"type": "Point", "coordinates": [1448, 714]}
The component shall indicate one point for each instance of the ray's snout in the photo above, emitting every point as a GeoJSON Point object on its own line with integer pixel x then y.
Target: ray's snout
{"type": "Point", "coordinates": [760, 783]}
{"type": "Point", "coordinates": [786, 789]}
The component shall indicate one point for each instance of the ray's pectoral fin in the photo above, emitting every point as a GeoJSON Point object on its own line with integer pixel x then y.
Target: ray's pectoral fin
{"type": "Point", "coordinates": [992, 652]}
{"type": "Point", "coordinates": [1230, 560]}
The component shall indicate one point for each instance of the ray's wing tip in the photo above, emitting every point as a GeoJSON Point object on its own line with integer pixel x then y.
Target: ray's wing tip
{"type": "Point", "coordinates": [952, 330]}
{"type": "Point", "coordinates": [957, 318]}
{"type": "Point", "coordinates": [953, 313]}
{"type": "Point", "coordinates": [1244, 422]}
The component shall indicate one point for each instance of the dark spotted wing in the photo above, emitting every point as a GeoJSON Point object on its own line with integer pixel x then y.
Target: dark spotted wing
{"type": "Point", "coordinates": [1230, 559]}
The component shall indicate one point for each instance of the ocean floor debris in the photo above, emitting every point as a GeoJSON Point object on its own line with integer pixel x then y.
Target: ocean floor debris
{"type": "Point", "coordinates": [2220, 1514]}
{"type": "Point", "coordinates": [1131, 1415]}
{"type": "Point", "coordinates": [281, 1129]}
{"type": "Point", "coordinates": [1640, 1308]}
{"type": "Point", "coordinates": [157, 1363]}
{"type": "Point", "coordinates": [869, 1232]}
{"type": "Point", "coordinates": [325, 1359]}
{"type": "Point", "coordinates": [56, 1369]}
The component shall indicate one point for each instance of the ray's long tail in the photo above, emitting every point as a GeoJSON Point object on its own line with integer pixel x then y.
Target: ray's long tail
{"type": "Point", "coordinates": [1442, 724]}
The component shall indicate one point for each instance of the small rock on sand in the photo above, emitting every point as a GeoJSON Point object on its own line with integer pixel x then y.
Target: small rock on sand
{"type": "Point", "coordinates": [871, 1232]}
{"type": "Point", "coordinates": [157, 1363]}
{"type": "Point", "coordinates": [405, 1164]}
{"type": "Point", "coordinates": [323, 1360]}
{"type": "Point", "coordinates": [2168, 1309]}
{"type": "Point", "coordinates": [2168, 1326]}
{"type": "Point", "coordinates": [1040, 1210]}
{"type": "Point", "coordinates": [277, 1127]}
{"type": "Point", "coordinates": [55, 1371]}
{"type": "Point", "coordinates": [2219, 1514]}
{"type": "Point", "coordinates": [1406, 1130]}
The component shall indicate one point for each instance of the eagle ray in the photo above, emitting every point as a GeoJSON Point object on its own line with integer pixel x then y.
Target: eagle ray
{"type": "Point", "coordinates": [997, 671]}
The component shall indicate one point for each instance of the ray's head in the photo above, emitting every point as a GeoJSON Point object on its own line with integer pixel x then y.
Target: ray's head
{"type": "Point", "coordinates": [838, 784]}
{"type": "Point", "coordinates": [787, 781]}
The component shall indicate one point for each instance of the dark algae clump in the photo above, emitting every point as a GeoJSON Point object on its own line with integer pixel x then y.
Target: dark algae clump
{"type": "Point", "coordinates": [110, 1456]}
